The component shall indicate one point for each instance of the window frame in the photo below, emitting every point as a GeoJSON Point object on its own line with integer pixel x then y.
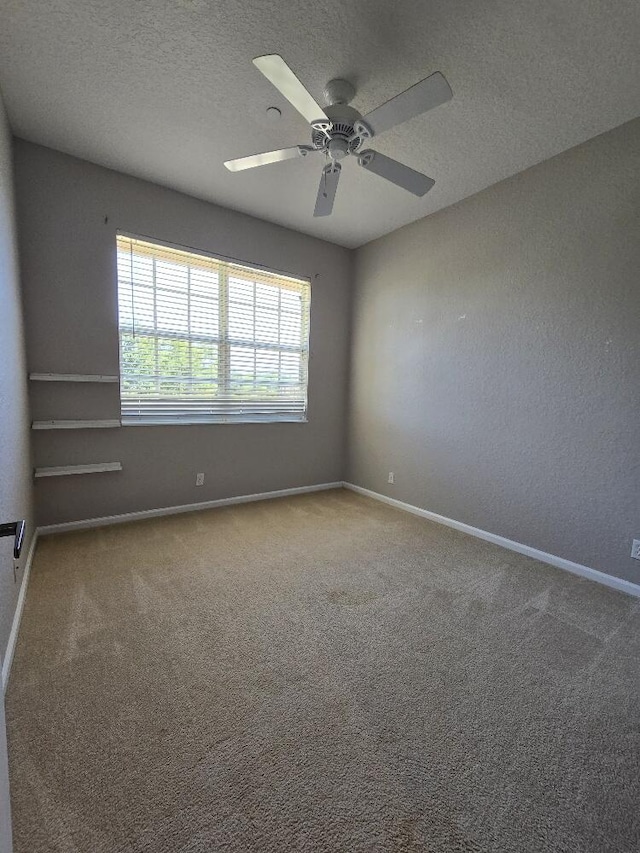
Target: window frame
{"type": "Point", "coordinates": [223, 340]}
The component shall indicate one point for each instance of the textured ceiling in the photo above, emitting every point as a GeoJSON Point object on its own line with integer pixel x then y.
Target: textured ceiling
{"type": "Point", "coordinates": [165, 90]}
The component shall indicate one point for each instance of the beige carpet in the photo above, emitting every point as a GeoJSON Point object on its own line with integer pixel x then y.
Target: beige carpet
{"type": "Point", "coordinates": [321, 673]}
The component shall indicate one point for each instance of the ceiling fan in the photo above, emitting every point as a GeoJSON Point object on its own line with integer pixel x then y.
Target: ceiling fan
{"type": "Point", "coordinates": [339, 130]}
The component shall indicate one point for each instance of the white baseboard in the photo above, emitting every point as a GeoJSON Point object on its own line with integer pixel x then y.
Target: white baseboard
{"type": "Point", "coordinates": [17, 616]}
{"type": "Point", "coordinates": [559, 562]}
{"type": "Point", "coordinates": [174, 510]}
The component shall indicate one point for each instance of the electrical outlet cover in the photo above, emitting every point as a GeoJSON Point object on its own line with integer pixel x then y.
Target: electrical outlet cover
{"type": "Point", "coordinates": [392, 477]}
{"type": "Point", "coordinates": [635, 549]}
{"type": "Point", "coordinates": [199, 479]}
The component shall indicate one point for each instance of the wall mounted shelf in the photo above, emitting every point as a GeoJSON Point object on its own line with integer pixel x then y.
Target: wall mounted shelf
{"type": "Point", "coordinates": [67, 470]}
{"type": "Point", "coordinates": [110, 423]}
{"type": "Point", "coordinates": [72, 377]}
{"type": "Point", "coordinates": [104, 424]}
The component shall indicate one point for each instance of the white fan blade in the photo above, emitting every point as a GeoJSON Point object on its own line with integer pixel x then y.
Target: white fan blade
{"type": "Point", "coordinates": [425, 95]}
{"type": "Point", "coordinates": [276, 70]}
{"type": "Point", "coordinates": [268, 157]}
{"type": "Point", "coordinates": [327, 189]}
{"type": "Point", "coordinates": [397, 173]}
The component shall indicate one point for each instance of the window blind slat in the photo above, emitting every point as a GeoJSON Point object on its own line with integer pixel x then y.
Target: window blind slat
{"type": "Point", "coordinates": [203, 339]}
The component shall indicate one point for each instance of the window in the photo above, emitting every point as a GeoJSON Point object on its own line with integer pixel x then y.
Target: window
{"type": "Point", "coordinates": [206, 340]}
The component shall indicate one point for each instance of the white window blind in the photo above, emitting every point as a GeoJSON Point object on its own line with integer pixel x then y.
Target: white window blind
{"type": "Point", "coordinates": [206, 340]}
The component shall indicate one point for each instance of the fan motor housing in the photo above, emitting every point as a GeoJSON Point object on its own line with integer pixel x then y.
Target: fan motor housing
{"type": "Point", "coordinates": [343, 135]}
{"type": "Point", "coordinates": [342, 114]}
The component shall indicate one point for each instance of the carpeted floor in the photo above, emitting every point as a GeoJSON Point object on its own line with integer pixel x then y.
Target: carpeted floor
{"type": "Point", "coordinates": [319, 673]}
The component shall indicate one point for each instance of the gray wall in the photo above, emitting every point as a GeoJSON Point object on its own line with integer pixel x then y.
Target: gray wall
{"type": "Point", "coordinates": [15, 473]}
{"type": "Point", "coordinates": [69, 211]}
{"type": "Point", "coordinates": [15, 466]}
{"type": "Point", "coordinates": [496, 358]}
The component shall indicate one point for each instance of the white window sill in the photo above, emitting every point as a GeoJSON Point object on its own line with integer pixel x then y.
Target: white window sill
{"type": "Point", "coordinates": [142, 421]}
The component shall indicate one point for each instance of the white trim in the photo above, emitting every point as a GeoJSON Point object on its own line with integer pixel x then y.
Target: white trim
{"type": "Point", "coordinates": [17, 615]}
{"type": "Point", "coordinates": [212, 255]}
{"type": "Point", "coordinates": [67, 470]}
{"type": "Point", "coordinates": [72, 377]}
{"type": "Point", "coordinates": [559, 562]}
{"type": "Point", "coordinates": [185, 420]}
{"type": "Point", "coordinates": [174, 510]}
{"type": "Point", "coordinates": [104, 424]}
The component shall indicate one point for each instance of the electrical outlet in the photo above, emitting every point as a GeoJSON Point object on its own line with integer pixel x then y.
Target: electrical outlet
{"type": "Point", "coordinates": [635, 549]}
{"type": "Point", "coordinates": [392, 478]}
{"type": "Point", "coordinates": [199, 479]}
